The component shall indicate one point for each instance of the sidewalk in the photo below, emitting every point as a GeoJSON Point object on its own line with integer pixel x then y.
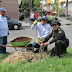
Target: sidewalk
{"type": "Point", "coordinates": [63, 21]}
{"type": "Point", "coordinates": [26, 22]}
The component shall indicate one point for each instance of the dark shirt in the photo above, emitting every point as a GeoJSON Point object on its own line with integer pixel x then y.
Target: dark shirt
{"type": "Point", "coordinates": [58, 34]}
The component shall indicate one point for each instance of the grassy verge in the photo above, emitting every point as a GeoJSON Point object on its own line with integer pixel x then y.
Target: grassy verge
{"type": "Point", "coordinates": [3, 56]}
{"type": "Point", "coordinates": [52, 64]}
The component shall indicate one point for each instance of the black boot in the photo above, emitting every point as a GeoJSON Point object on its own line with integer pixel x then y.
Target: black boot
{"type": "Point", "coordinates": [36, 51]}
{"type": "Point", "coordinates": [52, 52]}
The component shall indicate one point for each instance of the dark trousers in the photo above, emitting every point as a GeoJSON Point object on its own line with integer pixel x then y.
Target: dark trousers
{"type": "Point", "coordinates": [60, 48]}
{"type": "Point", "coordinates": [3, 41]}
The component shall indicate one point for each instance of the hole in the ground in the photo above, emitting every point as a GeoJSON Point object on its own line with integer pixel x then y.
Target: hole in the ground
{"type": "Point", "coordinates": [67, 24]}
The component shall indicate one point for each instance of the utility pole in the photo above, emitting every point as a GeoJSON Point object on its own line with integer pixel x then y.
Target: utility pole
{"type": "Point", "coordinates": [66, 9]}
{"type": "Point", "coordinates": [30, 6]}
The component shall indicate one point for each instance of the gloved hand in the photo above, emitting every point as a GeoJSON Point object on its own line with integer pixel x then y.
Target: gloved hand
{"type": "Point", "coordinates": [41, 41]}
{"type": "Point", "coordinates": [38, 39]}
{"type": "Point", "coordinates": [35, 22]}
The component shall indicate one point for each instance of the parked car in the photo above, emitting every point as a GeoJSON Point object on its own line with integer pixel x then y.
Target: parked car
{"type": "Point", "coordinates": [13, 23]}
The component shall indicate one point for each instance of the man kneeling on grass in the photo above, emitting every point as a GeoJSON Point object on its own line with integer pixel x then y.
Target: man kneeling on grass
{"type": "Point", "coordinates": [61, 43]}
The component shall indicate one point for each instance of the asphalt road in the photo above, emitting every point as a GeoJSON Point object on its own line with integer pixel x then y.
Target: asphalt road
{"type": "Point", "coordinates": [24, 32]}
{"type": "Point", "coordinates": [28, 32]}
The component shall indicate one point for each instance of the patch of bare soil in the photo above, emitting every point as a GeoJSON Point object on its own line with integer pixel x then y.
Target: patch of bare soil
{"type": "Point", "coordinates": [67, 24]}
{"type": "Point", "coordinates": [20, 56]}
{"type": "Point", "coordinates": [21, 39]}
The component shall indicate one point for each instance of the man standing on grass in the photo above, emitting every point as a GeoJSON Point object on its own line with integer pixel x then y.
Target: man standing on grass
{"type": "Point", "coordinates": [3, 30]}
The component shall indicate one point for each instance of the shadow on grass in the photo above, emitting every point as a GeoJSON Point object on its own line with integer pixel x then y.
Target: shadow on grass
{"type": "Point", "coordinates": [65, 55]}
{"type": "Point", "coordinates": [3, 56]}
{"type": "Point", "coordinates": [68, 55]}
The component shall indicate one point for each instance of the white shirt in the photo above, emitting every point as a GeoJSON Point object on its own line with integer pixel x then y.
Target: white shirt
{"type": "Point", "coordinates": [32, 16]}
{"type": "Point", "coordinates": [3, 26]}
{"type": "Point", "coordinates": [43, 30]}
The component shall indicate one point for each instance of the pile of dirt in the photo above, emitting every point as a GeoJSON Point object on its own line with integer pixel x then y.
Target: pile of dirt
{"type": "Point", "coordinates": [21, 39]}
{"type": "Point", "coordinates": [19, 56]}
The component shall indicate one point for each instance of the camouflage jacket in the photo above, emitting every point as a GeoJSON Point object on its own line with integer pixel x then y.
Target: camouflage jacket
{"type": "Point", "coordinates": [58, 34]}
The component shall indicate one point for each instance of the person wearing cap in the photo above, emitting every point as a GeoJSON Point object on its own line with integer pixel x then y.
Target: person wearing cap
{"type": "Point", "coordinates": [3, 30]}
{"type": "Point", "coordinates": [43, 31]}
{"type": "Point", "coordinates": [59, 37]}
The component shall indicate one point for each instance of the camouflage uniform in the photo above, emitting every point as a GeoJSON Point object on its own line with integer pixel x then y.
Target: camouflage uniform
{"type": "Point", "coordinates": [60, 41]}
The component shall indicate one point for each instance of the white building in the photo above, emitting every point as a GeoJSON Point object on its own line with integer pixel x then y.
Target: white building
{"type": "Point", "coordinates": [19, 2]}
{"type": "Point", "coordinates": [44, 4]}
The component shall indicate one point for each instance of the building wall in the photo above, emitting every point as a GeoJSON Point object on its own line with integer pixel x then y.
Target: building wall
{"type": "Point", "coordinates": [69, 0]}
{"type": "Point", "coordinates": [48, 1]}
{"type": "Point", "coordinates": [11, 6]}
{"type": "Point", "coordinates": [63, 6]}
{"type": "Point", "coordinates": [62, 0]}
{"type": "Point", "coordinates": [19, 1]}
{"type": "Point", "coordinates": [48, 7]}
{"type": "Point", "coordinates": [44, 4]}
{"type": "Point", "coordinates": [52, 1]}
{"type": "Point", "coordinates": [0, 2]}
{"type": "Point", "coordinates": [70, 8]}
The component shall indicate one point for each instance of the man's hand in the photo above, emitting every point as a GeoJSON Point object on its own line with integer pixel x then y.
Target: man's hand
{"type": "Point", "coordinates": [39, 42]}
{"type": "Point", "coordinates": [35, 22]}
{"type": "Point", "coordinates": [45, 44]}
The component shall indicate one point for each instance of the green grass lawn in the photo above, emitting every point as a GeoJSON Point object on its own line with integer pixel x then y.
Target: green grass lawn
{"type": "Point", "coordinates": [52, 64]}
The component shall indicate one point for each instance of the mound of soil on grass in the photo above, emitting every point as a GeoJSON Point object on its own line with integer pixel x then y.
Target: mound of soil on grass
{"type": "Point", "coordinates": [20, 56]}
{"type": "Point", "coordinates": [21, 39]}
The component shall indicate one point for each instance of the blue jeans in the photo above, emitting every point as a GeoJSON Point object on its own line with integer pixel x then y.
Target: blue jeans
{"type": "Point", "coordinates": [3, 41]}
{"type": "Point", "coordinates": [35, 45]}
{"type": "Point", "coordinates": [38, 46]}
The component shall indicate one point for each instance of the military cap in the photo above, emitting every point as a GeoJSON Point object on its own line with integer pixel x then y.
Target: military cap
{"type": "Point", "coordinates": [55, 22]}
{"type": "Point", "coordinates": [2, 9]}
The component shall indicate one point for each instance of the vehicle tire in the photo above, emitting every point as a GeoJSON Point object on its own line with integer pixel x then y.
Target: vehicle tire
{"type": "Point", "coordinates": [16, 27]}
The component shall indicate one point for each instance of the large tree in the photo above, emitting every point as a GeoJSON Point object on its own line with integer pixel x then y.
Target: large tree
{"type": "Point", "coordinates": [26, 5]}
{"type": "Point", "coordinates": [36, 4]}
